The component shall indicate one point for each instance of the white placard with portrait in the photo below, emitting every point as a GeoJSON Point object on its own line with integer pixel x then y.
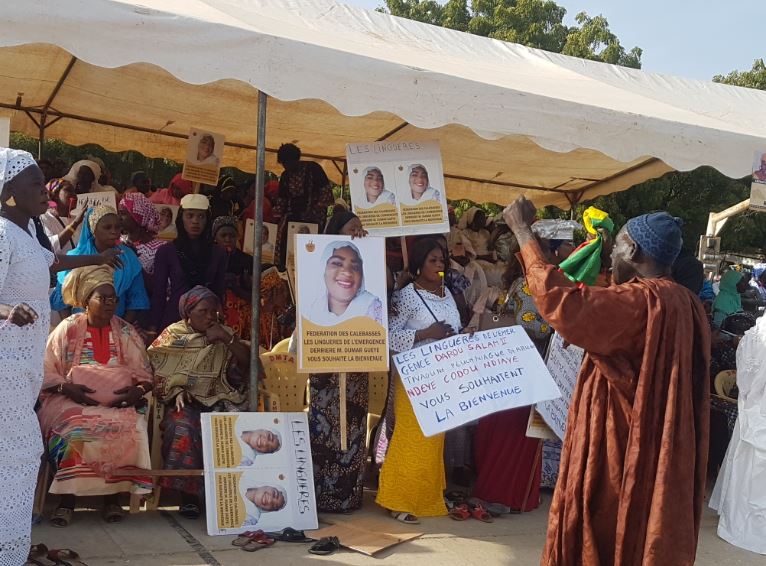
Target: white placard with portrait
{"type": "Point", "coordinates": [758, 182]}
{"type": "Point", "coordinates": [294, 229]}
{"type": "Point", "coordinates": [258, 472]}
{"type": "Point", "coordinates": [268, 240]}
{"type": "Point", "coordinates": [204, 152]}
{"type": "Point", "coordinates": [397, 187]}
{"type": "Point", "coordinates": [342, 310]}
{"type": "Point", "coordinates": [168, 214]}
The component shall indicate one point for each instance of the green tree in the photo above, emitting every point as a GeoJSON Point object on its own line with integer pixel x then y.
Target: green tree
{"type": "Point", "coordinates": [694, 194]}
{"type": "Point", "coordinates": [534, 23]}
{"type": "Point", "coordinates": [754, 78]}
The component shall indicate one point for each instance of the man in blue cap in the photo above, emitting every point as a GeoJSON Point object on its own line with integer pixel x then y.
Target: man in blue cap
{"type": "Point", "coordinates": [632, 476]}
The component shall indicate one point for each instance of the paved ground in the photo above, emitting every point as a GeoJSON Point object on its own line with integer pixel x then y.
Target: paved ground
{"type": "Point", "coordinates": [163, 538]}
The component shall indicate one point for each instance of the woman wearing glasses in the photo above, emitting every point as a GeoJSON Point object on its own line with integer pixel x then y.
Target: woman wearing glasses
{"type": "Point", "coordinates": [91, 415]}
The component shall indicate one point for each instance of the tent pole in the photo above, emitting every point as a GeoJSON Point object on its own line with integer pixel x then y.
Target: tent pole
{"type": "Point", "coordinates": [260, 176]}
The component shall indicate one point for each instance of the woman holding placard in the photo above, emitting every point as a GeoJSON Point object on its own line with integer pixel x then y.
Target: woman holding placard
{"type": "Point", "coordinates": [412, 479]}
{"type": "Point", "coordinates": [339, 473]}
{"type": "Point", "coordinates": [61, 228]}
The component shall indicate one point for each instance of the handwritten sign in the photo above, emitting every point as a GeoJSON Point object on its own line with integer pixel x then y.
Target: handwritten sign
{"type": "Point", "coordinates": [258, 472]}
{"type": "Point", "coordinates": [564, 366]}
{"type": "Point", "coordinates": [89, 200]}
{"type": "Point", "coordinates": [460, 379]}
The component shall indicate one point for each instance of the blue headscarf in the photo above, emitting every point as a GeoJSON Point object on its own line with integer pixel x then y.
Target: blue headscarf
{"type": "Point", "coordinates": [124, 277]}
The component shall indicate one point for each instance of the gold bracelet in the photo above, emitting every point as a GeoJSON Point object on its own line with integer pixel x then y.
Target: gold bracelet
{"type": "Point", "coordinates": [142, 388]}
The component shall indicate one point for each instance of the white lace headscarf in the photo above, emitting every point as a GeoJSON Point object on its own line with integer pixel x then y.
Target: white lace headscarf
{"type": "Point", "coordinates": [13, 162]}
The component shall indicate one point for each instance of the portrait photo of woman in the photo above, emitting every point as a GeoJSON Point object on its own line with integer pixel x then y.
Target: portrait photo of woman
{"type": "Point", "coordinates": [206, 151]}
{"type": "Point", "coordinates": [343, 294]}
{"type": "Point", "coordinates": [375, 191]}
{"type": "Point", "coordinates": [420, 189]}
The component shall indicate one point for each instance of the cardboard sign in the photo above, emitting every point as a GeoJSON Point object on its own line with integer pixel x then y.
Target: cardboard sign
{"type": "Point", "coordinates": [258, 472]}
{"type": "Point", "coordinates": [293, 229]}
{"type": "Point", "coordinates": [564, 366]}
{"type": "Point", "coordinates": [268, 240]}
{"type": "Point", "coordinates": [536, 427]}
{"type": "Point", "coordinates": [90, 200]}
{"type": "Point", "coordinates": [368, 535]}
{"type": "Point", "coordinates": [397, 188]}
{"type": "Point", "coordinates": [168, 214]}
{"type": "Point", "coordinates": [460, 379]}
{"type": "Point", "coordinates": [342, 311]}
{"type": "Point", "coordinates": [204, 152]}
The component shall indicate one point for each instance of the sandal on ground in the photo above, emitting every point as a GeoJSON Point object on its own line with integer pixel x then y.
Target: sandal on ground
{"type": "Point", "coordinates": [190, 511]}
{"type": "Point", "coordinates": [478, 512]}
{"type": "Point", "coordinates": [406, 518]}
{"type": "Point", "coordinates": [66, 557]}
{"type": "Point", "coordinates": [290, 535]}
{"type": "Point", "coordinates": [113, 513]}
{"type": "Point", "coordinates": [258, 540]}
{"type": "Point", "coordinates": [325, 546]}
{"type": "Point", "coordinates": [460, 512]}
{"type": "Point", "coordinates": [38, 555]}
{"type": "Point", "coordinates": [61, 517]}
{"type": "Point", "coordinates": [495, 509]}
{"type": "Point", "coordinates": [455, 497]}
{"type": "Point", "coordinates": [244, 538]}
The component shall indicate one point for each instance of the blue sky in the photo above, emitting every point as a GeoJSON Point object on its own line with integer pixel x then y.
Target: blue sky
{"type": "Point", "coordinates": [690, 38]}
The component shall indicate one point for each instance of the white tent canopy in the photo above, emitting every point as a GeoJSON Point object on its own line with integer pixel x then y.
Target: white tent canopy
{"type": "Point", "coordinates": [130, 75]}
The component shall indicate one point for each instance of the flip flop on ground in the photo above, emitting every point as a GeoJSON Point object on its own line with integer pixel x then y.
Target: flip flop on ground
{"type": "Point", "coordinates": [404, 517]}
{"type": "Point", "coordinates": [325, 546]}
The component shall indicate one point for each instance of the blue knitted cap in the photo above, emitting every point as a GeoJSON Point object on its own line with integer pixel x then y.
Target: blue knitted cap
{"type": "Point", "coordinates": [658, 234]}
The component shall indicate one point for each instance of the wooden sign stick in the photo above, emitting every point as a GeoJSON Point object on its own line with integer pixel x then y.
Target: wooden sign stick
{"type": "Point", "coordinates": [343, 427]}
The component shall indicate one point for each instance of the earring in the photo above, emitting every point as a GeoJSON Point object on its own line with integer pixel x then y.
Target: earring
{"type": "Point", "coordinates": [417, 272]}
{"type": "Point", "coordinates": [11, 202]}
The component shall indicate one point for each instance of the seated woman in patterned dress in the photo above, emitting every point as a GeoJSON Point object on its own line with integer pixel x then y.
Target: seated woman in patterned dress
{"type": "Point", "coordinates": [199, 366]}
{"type": "Point", "coordinates": [91, 414]}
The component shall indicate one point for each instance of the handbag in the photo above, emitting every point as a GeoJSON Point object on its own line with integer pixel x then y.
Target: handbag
{"type": "Point", "coordinates": [492, 320]}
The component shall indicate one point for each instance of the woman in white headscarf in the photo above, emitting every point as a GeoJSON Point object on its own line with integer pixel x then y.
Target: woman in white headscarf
{"type": "Point", "coordinates": [739, 495]}
{"type": "Point", "coordinates": [375, 191]}
{"type": "Point", "coordinates": [344, 296]}
{"type": "Point", "coordinates": [24, 321]}
{"type": "Point", "coordinates": [84, 176]}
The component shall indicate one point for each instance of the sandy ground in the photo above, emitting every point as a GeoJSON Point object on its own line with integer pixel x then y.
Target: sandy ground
{"type": "Point", "coordinates": [164, 538]}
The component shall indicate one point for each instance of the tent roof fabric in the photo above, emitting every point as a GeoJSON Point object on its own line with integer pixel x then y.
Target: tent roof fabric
{"type": "Point", "coordinates": [511, 120]}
